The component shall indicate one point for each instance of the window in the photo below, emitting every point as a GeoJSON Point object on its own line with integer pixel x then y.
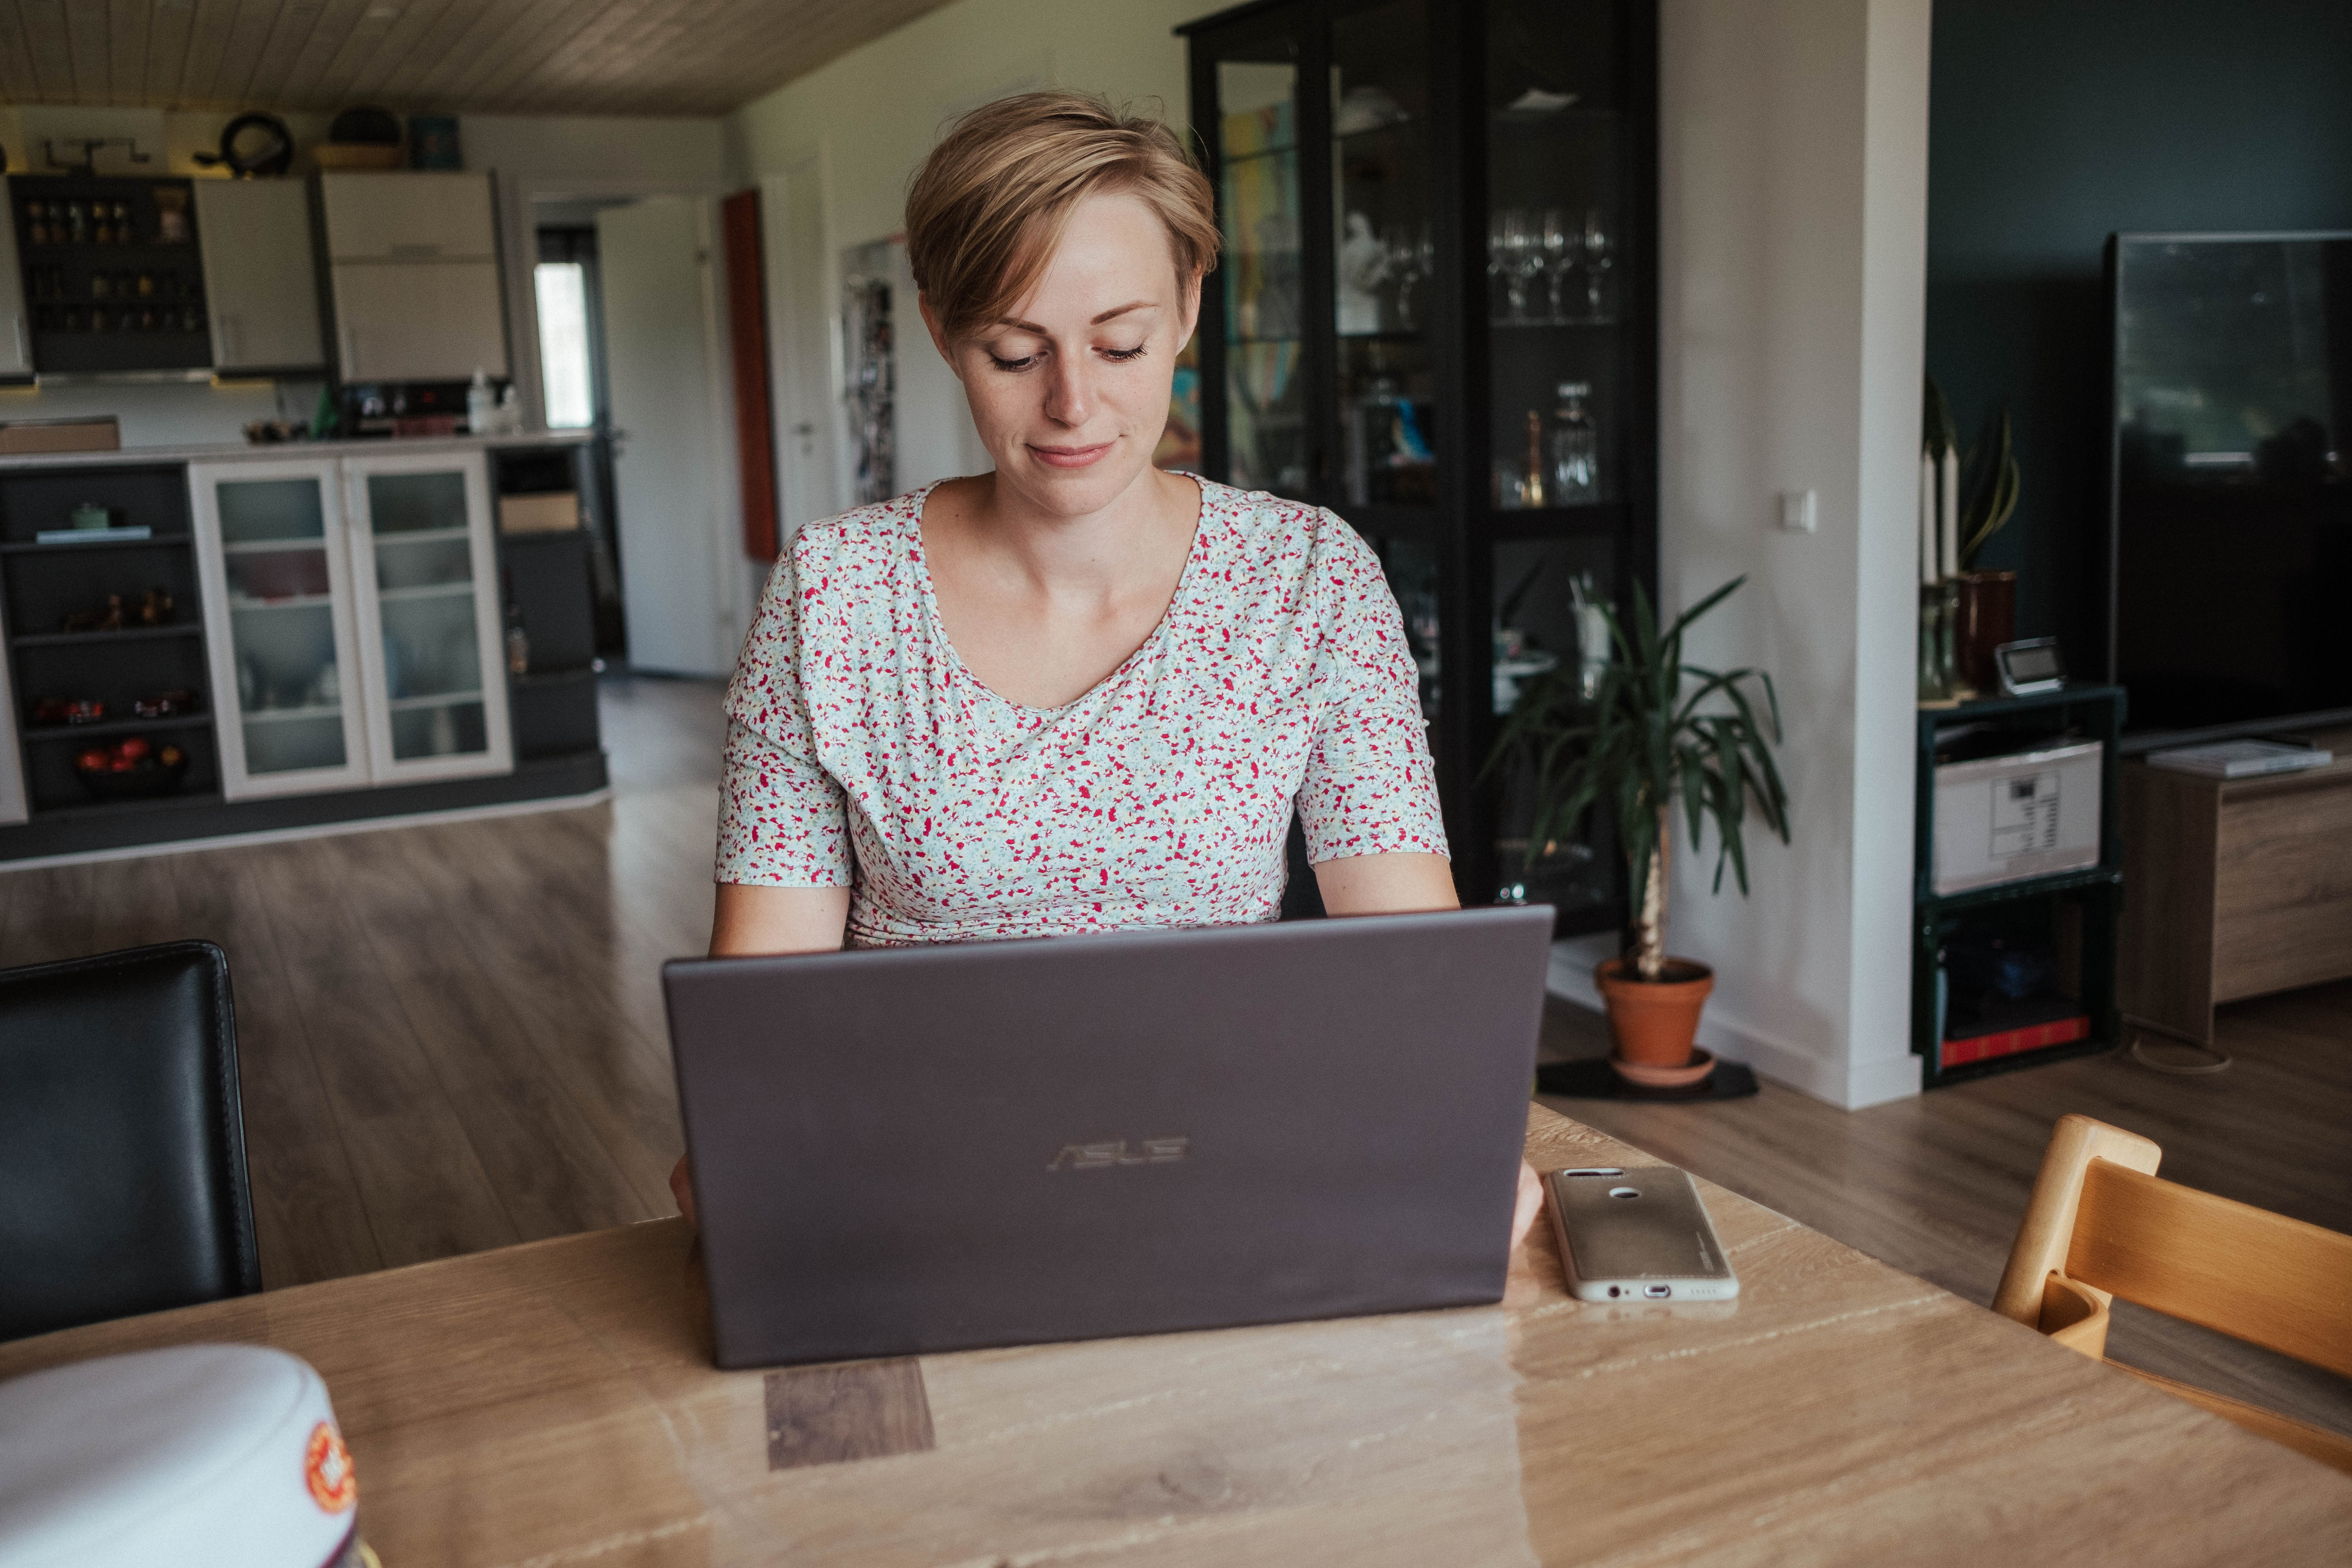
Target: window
{"type": "Point", "coordinates": [562, 290]}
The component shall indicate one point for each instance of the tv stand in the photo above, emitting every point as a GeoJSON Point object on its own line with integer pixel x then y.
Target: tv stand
{"type": "Point", "coordinates": [2233, 888]}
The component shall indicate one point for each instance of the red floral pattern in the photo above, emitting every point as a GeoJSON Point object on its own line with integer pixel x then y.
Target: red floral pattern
{"type": "Point", "coordinates": [861, 752]}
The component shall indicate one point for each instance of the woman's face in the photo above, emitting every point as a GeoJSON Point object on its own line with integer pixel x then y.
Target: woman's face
{"type": "Point", "coordinates": [1069, 391]}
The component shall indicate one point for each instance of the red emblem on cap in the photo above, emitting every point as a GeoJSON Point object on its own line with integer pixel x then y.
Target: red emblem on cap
{"type": "Point", "coordinates": [328, 1468]}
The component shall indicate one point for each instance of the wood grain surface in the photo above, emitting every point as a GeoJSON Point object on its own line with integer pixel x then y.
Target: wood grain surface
{"type": "Point", "coordinates": [505, 56]}
{"type": "Point", "coordinates": [2233, 888]}
{"type": "Point", "coordinates": [554, 1403]}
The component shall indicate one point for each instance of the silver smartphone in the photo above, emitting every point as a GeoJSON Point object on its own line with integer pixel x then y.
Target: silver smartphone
{"type": "Point", "coordinates": [1638, 1234]}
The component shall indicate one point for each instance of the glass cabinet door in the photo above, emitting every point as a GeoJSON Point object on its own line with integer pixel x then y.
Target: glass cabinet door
{"type": "Point", "coordinates": [1383, 258]}
{"type": "Point", "coordinates": [1556, 255]}
{"type": "Point", "coordinates": [427, 577]}
{"type": "Point", "coordinates": [278, 613]}
{"type": "Point", "coordinates": [1265, 300]}
{"type": "Point", "coordinates": [1552, 638]}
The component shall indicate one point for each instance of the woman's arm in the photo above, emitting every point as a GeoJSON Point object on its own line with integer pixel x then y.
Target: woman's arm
{"type": "Point", "coordinates": [749, 921]}
{"type": "Point", "coordinates": [1386, 884]}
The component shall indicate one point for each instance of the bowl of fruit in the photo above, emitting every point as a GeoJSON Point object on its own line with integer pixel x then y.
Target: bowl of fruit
{"type": "Point", "coordinates": [133, 768]}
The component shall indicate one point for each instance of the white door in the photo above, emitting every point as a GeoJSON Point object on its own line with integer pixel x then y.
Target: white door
{"type": "Point", "coordinates": [261, 274]}
{"type": "Point", "coordinates": [679, 549]}
{"type": "Point", "coordinates": [12, 760]}
{"type": "Point", "coordinates": [271, 556]}
{"type": "Point", "coordinates": [801, 322]}
{"type": "Point", "coordinates": [16, 332]}
{"type": "Point", "coordinates": [425, 580]}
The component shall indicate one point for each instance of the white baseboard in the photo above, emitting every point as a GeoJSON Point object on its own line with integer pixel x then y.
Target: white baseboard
{"type": "Point", "coordinates": [1874, 1083]}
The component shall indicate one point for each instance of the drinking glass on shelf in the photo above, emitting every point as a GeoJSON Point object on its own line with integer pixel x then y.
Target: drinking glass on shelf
{"type": "Point", "coordinates": [1559, 244]}
{"type": "Point", "coordinates": [1496, 272]}
{"type": "Point", "coordinates": [1522, 259]}
{"type": "Point", "coordinates": [1404, 265]}
{"type": "Point", "coordinates": [1598, 245]}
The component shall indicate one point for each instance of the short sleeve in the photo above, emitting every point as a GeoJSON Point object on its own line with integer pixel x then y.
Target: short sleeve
{"type": "Point", "coordinates": [1370, 788]}
{"type": "Point", "coordinates": [782, 819]}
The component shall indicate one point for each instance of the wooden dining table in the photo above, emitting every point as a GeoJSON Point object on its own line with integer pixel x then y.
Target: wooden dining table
{"type": "Point", "coordinates": [556, 1403]}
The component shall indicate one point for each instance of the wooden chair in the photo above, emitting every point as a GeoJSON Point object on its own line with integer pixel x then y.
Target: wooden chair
{"type": "Point", "coordinates": [2100, 1225]}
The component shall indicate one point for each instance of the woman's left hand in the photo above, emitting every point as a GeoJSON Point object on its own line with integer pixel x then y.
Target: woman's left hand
{"type": "Point", "coordinates": [1531, 1200]}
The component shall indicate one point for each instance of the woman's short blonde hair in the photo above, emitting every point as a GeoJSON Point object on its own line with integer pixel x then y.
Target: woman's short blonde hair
{"type": "Point", "coordinates": [990, 204]}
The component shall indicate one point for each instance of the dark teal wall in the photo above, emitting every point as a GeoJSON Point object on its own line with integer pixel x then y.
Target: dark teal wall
{"type": "Point", "coordinates": [2053, 123]}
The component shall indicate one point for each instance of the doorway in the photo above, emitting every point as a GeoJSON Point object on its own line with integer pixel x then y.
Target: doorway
{"type": "Point", "coordinates": [624, 300]}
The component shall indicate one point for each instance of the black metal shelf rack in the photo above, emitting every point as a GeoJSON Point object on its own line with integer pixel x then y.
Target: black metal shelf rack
{"type": "Point", "coordinates": [2085, 904]}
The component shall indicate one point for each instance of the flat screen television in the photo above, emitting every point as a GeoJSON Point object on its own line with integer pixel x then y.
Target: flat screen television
{"type": "Point", "coordinates": [2230, 518]}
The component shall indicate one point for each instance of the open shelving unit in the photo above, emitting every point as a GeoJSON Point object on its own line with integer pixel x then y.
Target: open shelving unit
{"type": "Point", "coordinates": [41, 585]}
{"type": "Point", "coordinates": [2074, 913]}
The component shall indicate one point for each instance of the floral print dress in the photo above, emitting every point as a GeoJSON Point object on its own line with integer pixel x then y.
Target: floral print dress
{"type": "Point", "coordinates": [861, 752]}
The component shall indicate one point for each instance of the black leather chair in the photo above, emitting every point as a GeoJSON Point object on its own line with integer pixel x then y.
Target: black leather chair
{"type": "Point", "coordinates": [122, 1183]}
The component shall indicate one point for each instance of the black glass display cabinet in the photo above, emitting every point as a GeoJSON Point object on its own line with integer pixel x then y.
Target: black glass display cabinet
{"type": "Point", "coordinates": [1436, 314]}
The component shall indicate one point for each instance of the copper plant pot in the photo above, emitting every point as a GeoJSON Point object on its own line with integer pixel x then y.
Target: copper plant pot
{"type": "Point", "coordinates": [1655, 1022]}
{"type": "Point", "coordinates": [1988, 618]}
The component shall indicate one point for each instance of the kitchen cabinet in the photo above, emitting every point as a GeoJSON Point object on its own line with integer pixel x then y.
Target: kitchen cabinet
{"type": "Point", "coordinates": [261, 278]}
{"type": "Point", "coordinates": [424, 320]}
{"type": "Point", "coordinates": [353, 621]}
{"type": "Point", "coordinates": [273, 556]}
{"type": "Point", "coordinates": [113, 277]}
{"type": "Point", "coordinates": [16, 332]}
{"type": "Point", "coordinates": [409, 216]}
{"type": "Point", "coordinates": [426, 580]}
{"type": "Point", "coordinates": [412, 268]}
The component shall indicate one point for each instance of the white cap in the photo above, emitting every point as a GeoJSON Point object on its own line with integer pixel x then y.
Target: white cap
{"type": "Point", "coordinates": [197, 1457]}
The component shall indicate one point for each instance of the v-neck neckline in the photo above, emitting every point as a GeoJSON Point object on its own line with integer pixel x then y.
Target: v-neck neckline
{"type": "Point", "coordinates": [1185, 582]}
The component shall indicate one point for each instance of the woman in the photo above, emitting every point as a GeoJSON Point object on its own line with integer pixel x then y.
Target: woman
{"type": "Point", "coordinates": [1077, 693]}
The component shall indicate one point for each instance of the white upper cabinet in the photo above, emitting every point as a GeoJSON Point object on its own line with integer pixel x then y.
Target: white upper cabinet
{"type": "Point", "coordinates": [16, 332]}
{"type": "Point", "coordinates": [413, 266]}
{"type": "Point", "coordinates": [426, 321]}
{"type": "Point", "coordinates": [409, 216]}
{"type": "Point", "coordinates": [261, 278]}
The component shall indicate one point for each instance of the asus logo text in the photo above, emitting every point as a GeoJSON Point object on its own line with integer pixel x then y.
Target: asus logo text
{"type": "Point", "coordinates": [1099, 1156]}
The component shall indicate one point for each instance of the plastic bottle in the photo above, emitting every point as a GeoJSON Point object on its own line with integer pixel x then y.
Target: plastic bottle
{"type": "Point", "coordinates": [1575, 447]}
{"type": "Point", "coordinates": [482, 403]}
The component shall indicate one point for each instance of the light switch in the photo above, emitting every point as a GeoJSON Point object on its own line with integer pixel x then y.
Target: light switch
{"type": "Point", "coordinates": [1800, 510]}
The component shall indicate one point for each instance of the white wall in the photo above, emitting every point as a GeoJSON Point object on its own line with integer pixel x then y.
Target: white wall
{"type": "Point", "coordinates": [1793, 253]}
{"type": "Point", "coordinates": [877, 111]}
{"type": "Point", "coordinates": [861, 124]}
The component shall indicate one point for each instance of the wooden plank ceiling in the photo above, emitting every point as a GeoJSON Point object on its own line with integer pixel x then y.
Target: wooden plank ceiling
{"type": "Point", "coordinates": [483, 57]}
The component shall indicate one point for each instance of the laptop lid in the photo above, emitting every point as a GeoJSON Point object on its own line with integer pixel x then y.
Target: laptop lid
{"type": "Point", "coordinates": [905, 1151]}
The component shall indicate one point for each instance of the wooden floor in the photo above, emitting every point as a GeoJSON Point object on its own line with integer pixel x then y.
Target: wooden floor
{"type": "Point", "coordinates": [450, 1037]}
{"type": "Point", "coordinates": [452, 1040]}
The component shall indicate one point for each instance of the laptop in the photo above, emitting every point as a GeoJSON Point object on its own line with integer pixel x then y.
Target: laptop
{"type": "Point", "coordinates": [913, 1150]}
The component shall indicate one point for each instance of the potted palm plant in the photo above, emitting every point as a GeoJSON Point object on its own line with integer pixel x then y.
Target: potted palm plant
{"type": "Point", "coordinates": [1655, 732]}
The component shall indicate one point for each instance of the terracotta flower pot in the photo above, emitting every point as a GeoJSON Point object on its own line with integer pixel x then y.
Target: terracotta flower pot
{"type": "Point", "coordinates": [1655, 1022]}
